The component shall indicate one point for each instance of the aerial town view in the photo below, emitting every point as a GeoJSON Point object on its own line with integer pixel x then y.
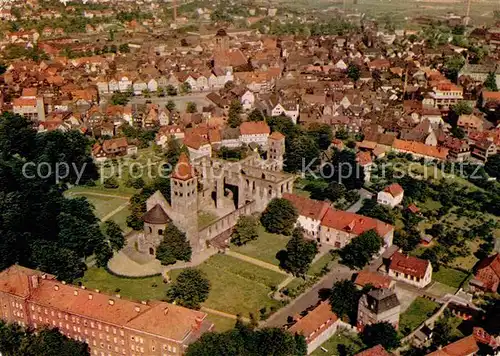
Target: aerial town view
{"type": "Point", "coordinates": [249, 177]}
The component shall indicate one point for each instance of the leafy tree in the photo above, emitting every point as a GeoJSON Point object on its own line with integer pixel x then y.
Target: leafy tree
{"type": "Point", "coordinates": [173, 152]}
{"type": "Point", "coordinates": [462, 108]}
{"type": "Point", "coordinates": [299, 254]}
{"type": "Point", "coordinates": [256, 115]}
{"type": "Point", "coordinates": [160, 92]}
{"type": "Point", "coordinates": [344, 298]}
{"type": "Point", "coordinates": [111, 183]}
{"type": "Point", "coordinates": [170, 105]}
{"type": "Point", "coordinates": [492, 166]}
{"type": "Point", "coordinates": [190, 289]}
{"type": "Point", "coordinates": [491, 82]}
{"type": "Point", "coordinates": [381, 334]}
{"type": "Point", "coordinates": [191, 107]}
{"type": "Point", "coordinates": [124, 48]}
{"type": "Point", "coordinates": [302, 152]}
{"type": "Point", "coordinates": [283, 124]}
{"type": "Point", "coordinates": [174, 247]}
{"type": "Point", "coordinates": [361, 249]}
{"type": "Point", "coordinates": [346, 170]}
{"type": "Point", "coordinates": [40, 227]}
{"type": "Point", "coordinates": [245, 230]}
{"type": "Point", "coordinates": [353, 72]}
{"type": "Point", "coordinates": [341, 134]}
{"type": "Point", "coordinates": [457, 132]}
{"type": "Point", "coordinates": [323, 135]}
{"type": "Point", "coordinates": [171, 90]}
{"type": "Point", "coordinates": [279, 217]}
{"type": "Point", "coordinates": [243, 340]}
{"type": "Point", "coordinates": [120, 98]}
{"type": "Point", "coordinates": [452, 66]}
{"type": "Point", "coordinates": [377, 211]}
{"type": "Point", "coordinates": [103, 254]}
{"type": "Point", "coordinates": [234, 116]}
{"type": "Point", "coordinates": [408, 240]}
{"type": "Point", "coordinates": [14, 340]}
{"type": "Point", "coordinates": [114, 234]}
{"type": "Point", "coordinates": [185, 88]}
{"type": "Point", "coordinates": [443, 332]}
{"type": "Point", "coordinates": [136, 183]}
{"type": "Point", "coordinates": [335, 191]}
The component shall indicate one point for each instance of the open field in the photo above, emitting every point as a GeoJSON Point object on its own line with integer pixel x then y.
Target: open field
{"type": "Point", "coordinates": [151, 288]}
{"type": "Point", "coordinates": [419, 311]}
{"type": "Point", "coordinates": [449, 276]}
{"type": "Point", "coordinates": [341, 338]}
{"type": "Point", "coordinates": [264, 248]}
{"type": "Point", "coordinates": [221, 322]}
{"type": "Point", "coordinates": [103, 204]}
{"type": "Point", "coordinates": [322, 262]}
{"type": "Point", "coordinates": [238, 287]}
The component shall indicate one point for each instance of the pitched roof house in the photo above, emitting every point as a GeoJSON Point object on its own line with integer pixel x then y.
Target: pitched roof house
{"type": "Point", "coordinates": [411, 270]}
{"type": "Point", "coordinates": [487, 276]}
{"type": "Point", "coordinates": [310, 212]}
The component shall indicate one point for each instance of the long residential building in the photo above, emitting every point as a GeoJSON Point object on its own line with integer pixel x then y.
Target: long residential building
{"type": "Point", "coordinates": [110, 325]}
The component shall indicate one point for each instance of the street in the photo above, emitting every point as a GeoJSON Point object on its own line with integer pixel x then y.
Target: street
{"type": "Point", "coordinates": [309, 298]}
{"type": "Point", "coordinates": [180, 100]}
{"type": "Point", "coordinates": [364, 194]}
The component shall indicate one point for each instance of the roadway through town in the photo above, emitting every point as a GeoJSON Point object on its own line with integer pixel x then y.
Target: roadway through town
{"type": "Point", "coordinates": [338, 272]}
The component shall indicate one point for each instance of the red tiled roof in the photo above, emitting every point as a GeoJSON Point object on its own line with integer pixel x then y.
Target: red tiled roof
{"type": "Point", "coordinates": [254, 128]}
{"type": "Point", "coordinates": [24, 102]}
{"type": "Point", "coordinates": [363, 158]}
{"type": "Point", "coordinates": [394, 189]}
{"type": "Point", "coordinates": [29, 92]}
{"type": "Point", "coordinates": [310, 208]}
{"type": "Point", "coordinates": [374, 351]}
{"type": "Point", "coordinates": [410, 265]}
{"type": "Point", "coordinates": [491, 95]}
{"type": "Point", "coordinates": [354, 223]}
{"type": "Point", "coordinates": [420, 148]}
{"type": "Point", "coordinates": [183, 170]}
{"type": "Point", "coordinates": [159, 318]}
{"type": "Point", "coordinates": [463, 347]}
{"type": "Point", "coordinates": [194, 141]}
{"type": "Point", "coordinates": [115, 143]}
{"type": "Point", "coordinates": [492, 262]}
{"type": "Point", "coordinates": [375, 279]}
{"type": "Point", "coordinates": [315, 322]}
{"type": "Point", "coordinates": [277, 136]}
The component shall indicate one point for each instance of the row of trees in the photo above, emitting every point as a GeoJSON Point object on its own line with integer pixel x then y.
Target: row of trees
{"type": "Point", "coordinates": [249, 341]}
{"type": "Point", "coordinates": [15, 340]}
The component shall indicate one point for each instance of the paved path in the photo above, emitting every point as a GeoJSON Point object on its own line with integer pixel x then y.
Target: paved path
{"type": "Point", "coordinates": [255, 262]}
{"type": "Point", "coordinates": [364, 194]}
{"type": "Point", "coordinates": [310, 297]}
{"type": "Point", "coordinates": [100, 195]}
{"type": "Point", "coordinates": [117, 210]}
{"type": "Point", "coordinates": [224, 314]}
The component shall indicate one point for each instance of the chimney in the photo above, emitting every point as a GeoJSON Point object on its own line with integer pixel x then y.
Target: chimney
{"type": "Point", "coordinates": [63, 282]}
{"type": "Point", "coordinates": [111, 302]}
{"type": "Point", "coordinates": [75, 292]}
{"type": "Point", "coordinates": [165, 311]}
{"type": "Point", "coordinates": [56, 287]}
{"type": "Point", "coordinates": [82, 287]}
{"type": "Point", "coordinates": [144, 302]}
{"type": "Point", "coordinates": [34, 281]}
{"type": "Point", "coordinates": [97, 290]}
{"type": "Point", "coordinates": [44, 276]}
{"type": "Point", "coordinates": [137, 309]}
{"type": "Point", "coordinates": [118, 296]}
{"type": "Point", "coordinates": [91, 296]}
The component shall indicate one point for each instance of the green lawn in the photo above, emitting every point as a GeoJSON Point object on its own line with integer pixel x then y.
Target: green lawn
{"type": "Point", "coordinates": [341, 338]}
{"type": "Point", "coordinates": [418, 311]}
{"type": "Point", "coordinates": [264, 248]}
{"type": "Point", "coordinates": [103, 205]}
{"type": "Point", "coordinates": [449, 276]}
{"type": "Point", "coordinates": [317, 266]}
{"type": "Point", "coordinates": [136, 289]}
{"type": "Point", "coordinates": [237, 287]}
{"type": "Point", "coordinates": [221, 323]}
{"type": "Point", "coordinates": [121, 219]}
